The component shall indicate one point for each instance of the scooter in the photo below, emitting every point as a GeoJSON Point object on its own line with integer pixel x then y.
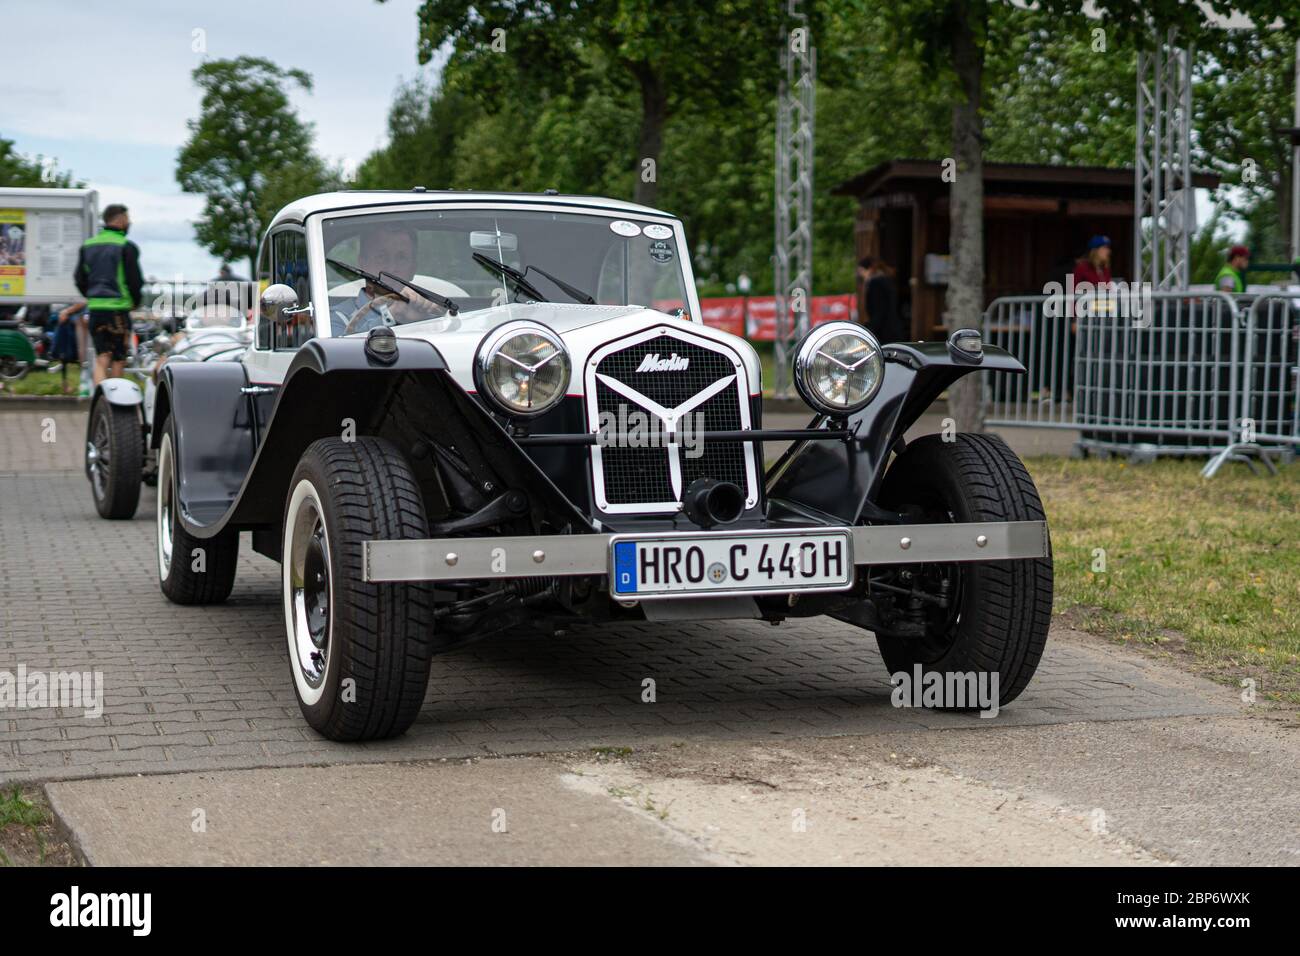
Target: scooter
{"type": "Point", "coordinates": [22, 350]}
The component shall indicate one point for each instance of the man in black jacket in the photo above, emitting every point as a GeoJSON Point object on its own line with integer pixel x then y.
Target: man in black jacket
{"type": "Point", "coordinates": [879, 302]}
{"type": "Point", "coordinates": [108, 275]}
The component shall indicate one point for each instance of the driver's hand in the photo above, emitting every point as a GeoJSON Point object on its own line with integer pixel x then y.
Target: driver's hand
{"type": "Point", "coordinates": [412, 307]}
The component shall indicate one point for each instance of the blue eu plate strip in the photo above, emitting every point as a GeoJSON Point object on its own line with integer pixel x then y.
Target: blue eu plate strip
{"type": "Point", "coordinates": [625, 567]}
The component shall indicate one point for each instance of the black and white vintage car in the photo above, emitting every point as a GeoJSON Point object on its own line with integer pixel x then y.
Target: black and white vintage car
{"type": "Point", "coordinates": [467, 413]}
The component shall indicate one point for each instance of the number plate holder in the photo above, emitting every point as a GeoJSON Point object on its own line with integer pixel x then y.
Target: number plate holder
{"type": "Point", "coordinates": [728, 563]}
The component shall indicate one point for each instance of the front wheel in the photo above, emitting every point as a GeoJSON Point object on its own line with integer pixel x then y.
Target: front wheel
{"type": "Point", "coordinates": [115, 458]}
{"type": "Point", "coordinates": [13, 369]}
{"type": "Point", "coordinates": [359, 652]}
{"type": "Point", "coordinates": [971, 617]}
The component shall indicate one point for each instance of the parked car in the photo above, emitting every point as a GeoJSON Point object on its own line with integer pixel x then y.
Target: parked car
{"type": "Point", "coordinates": [469, 413]}
{"type": "Point", "coordinates": [119, 457]}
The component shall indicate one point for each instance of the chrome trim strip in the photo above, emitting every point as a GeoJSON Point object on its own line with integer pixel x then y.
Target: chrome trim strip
{"type": "Point", "coordinates": [427, 559]}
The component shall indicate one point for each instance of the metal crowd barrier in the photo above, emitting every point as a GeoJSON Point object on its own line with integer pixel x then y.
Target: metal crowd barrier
{"type": "Point", "coordinates": [1171, 373]}
{"type": "Point", "coordinates": [1268, 423]}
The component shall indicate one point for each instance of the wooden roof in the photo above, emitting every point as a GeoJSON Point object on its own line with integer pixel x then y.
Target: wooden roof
{"type": "Point", "coordinates": [1020, 179]}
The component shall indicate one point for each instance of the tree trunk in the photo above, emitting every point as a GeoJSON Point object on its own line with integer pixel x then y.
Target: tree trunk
{"type": "Point", "coordinates": [1282, 200]}
{"type": "Point", "coordinates": [965, 298]}
{"type": "Point", "coordinates": [654, 114]}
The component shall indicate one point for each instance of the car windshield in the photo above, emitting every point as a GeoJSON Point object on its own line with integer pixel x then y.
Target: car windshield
{"type": "Point", "coordinates": [450, 252]}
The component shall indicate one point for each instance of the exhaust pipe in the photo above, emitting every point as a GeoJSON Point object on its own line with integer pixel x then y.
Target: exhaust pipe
{"type": "Point", "coordinates": [708, 502]}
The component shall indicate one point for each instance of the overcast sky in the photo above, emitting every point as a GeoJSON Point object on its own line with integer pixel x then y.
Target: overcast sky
{"type": "Point", "coordinates": [105, 89]}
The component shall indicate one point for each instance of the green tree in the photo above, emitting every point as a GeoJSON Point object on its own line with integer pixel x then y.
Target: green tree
{"type": "Point", "coordinates": [668, 53]}
{"type": "Point", "coordinates": [1243, 101]}
{"type": "Point", "coordinates": [953, 37]}
{"type": "Point", "coordinates": [424, 128]}
{"type": "Point", "coordinates": [19, 170]}
{"type": "Point", "coordinates": [247, 150]}
{"type": "Point", "coordinates": [1063, 97]}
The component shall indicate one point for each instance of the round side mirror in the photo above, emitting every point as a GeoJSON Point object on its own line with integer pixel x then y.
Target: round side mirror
{"type": "Point", "coordinates": [276, 300]}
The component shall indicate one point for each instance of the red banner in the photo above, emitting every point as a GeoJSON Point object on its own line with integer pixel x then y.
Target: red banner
{"type": "Point", "coordinates": [755, 318]}
{"type": "Point", "coordinates": [725, 314]}
{"type": "Point", "coordinates": [834, 308]}
{"type": "Point", "coordinates": [760, 323]}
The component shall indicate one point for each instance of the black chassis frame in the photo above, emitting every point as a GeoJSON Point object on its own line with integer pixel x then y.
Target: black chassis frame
{"type": "Point", "coordinates": [237, 445]}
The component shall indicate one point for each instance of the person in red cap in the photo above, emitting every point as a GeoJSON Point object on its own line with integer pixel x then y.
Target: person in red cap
{"type": "Point", "coordinates": [1095, 267]}
{"type": "Point", "coordinates": [1232, 277]}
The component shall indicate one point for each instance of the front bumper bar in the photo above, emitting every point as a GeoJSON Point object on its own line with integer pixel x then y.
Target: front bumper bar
{"type": "Point", "coordinates": [467, 559]}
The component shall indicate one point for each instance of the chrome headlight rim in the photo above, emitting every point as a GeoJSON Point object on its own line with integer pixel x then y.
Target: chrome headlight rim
{"type": "Point", "coordinates": [490, 347]}
{"type": "Point", "coordinates": [809, 347]}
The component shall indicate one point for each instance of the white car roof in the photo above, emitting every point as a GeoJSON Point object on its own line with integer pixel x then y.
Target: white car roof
{"type": "Point", "coordinates": [297, 210]}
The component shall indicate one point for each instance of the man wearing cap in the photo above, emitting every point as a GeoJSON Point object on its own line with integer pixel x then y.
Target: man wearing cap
{"type": "Point", "coordinates": [1095, 267]}
{"type": "Point", "coordinates": [1232, 277]}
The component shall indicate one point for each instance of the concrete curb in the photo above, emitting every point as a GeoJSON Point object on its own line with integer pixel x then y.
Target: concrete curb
{"type": "Point", "coordinates": [66, 832]}
{"type": "Point", "coordinates": [42, 403]}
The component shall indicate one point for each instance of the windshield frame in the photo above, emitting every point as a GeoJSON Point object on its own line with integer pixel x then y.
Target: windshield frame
{"type": "Point", "coordinates": [314, 224]}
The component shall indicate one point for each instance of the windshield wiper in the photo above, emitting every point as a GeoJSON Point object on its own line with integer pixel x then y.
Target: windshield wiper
{"type": "Point", "coordinates": [381, 280]}
{"type": "Point", "coordinates": [434, 297]}
{"type": "Point", "coordinates": [583, 297]}
{"type": "Point", "coordinates": [511, 273]}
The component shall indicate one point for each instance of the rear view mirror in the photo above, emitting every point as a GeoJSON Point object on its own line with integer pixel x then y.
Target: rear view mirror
{"type": "Point", "coordinates": [488, 241]}
{"type": "Point", "coordinates": [278, 303]}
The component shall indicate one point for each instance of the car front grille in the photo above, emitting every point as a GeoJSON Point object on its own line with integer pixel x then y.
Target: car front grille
{"type": "Point", "coordinates": [640, 478]}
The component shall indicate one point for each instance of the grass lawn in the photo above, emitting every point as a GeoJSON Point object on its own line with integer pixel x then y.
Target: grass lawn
{"type": "Point", "coordinates": [27, 833]}
{"type": "Point", "coordinates": [43, 383]}
{"type": "Point", "coordinates": [1209, 569]}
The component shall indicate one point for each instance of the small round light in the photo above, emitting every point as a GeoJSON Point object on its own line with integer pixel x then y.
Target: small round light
{"type": "Point", "coordinates": [838, 368]}
{"type": "Point", "coordinates": [381, 345]}
{"type": "Point", "coordinates": [967, 341]}
{"type": "Point", "coordinates": [522, 368]}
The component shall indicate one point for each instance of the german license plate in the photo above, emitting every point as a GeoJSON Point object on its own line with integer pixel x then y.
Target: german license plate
{"type": "Point", "coordinates": [730, 563]}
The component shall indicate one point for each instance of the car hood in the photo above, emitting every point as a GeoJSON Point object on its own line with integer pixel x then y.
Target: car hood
{"type": "Point", "coordinates": [584, 328]}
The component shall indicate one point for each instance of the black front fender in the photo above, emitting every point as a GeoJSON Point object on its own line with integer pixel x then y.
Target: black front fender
{"type": "Point", "coordinates": [837, 478]}
{"type": "Point", "coordinates": [212, 434]}
{"type": "Point", "coordinates": [333, 389]}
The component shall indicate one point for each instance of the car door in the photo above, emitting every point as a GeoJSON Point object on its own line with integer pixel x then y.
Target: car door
{"type": "Point", "coordinates": [282, 259]}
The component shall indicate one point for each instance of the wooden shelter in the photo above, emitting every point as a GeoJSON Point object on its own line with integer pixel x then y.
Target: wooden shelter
{"type": "Point", "coordinates": [1037, 223]}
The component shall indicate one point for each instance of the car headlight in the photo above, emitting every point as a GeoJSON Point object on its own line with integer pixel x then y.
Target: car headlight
{"type": "Point", "coordinates": [522, 368]}
{"type": "Point", "coordinates": [838, 367]}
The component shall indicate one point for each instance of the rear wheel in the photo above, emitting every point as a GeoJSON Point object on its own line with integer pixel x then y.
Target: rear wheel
{"type": "Point", "coordinates": [359, 652]}
{"type": "Point", "coordinates": [115, 458]}
{"type": "Point", "coordinates": [978, 616]}
{"type": "Point", "coordinates": [190, 570]}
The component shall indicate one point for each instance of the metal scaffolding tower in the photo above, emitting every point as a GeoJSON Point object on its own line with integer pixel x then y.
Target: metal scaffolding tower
{"type": "Point", "coordinates": [1164, 201]}
{"type": "Point", "coordinates": [794, 189]}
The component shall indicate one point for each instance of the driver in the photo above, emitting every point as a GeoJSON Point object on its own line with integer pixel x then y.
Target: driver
{"type": "Point", "coordinates": [390, 248]}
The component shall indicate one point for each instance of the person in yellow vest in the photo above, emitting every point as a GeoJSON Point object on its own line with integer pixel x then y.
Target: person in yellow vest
{"type": "Point", "coordinates": [108, 275]}
{"type": "Point", "coordinates": [1232, 277]}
